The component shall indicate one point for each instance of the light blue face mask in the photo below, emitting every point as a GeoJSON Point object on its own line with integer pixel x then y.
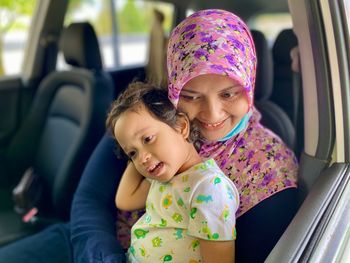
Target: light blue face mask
{"type": "Point", "coordinates": [238, 127]}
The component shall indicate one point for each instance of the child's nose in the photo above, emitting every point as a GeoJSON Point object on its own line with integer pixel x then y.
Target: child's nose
{"type": "Point", "coordinates": [145, 156]}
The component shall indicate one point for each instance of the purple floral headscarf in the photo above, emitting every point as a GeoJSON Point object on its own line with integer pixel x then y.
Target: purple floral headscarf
{"type": "Point", "coordinates": [211, 42]}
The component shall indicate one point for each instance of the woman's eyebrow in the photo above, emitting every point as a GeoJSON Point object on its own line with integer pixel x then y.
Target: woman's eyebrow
{"type": "Point", "coordinates": [190, 91]}
{"type": "Point", "coordinates": [235, 86]}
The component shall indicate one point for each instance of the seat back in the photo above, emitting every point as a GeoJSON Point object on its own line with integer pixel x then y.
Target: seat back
{"type": "Point", "coordinates": [66, 120]}
{"type": "Point", "coordinates": [273, 117]}
{"type": "Point", "coordinates": [283, 94]}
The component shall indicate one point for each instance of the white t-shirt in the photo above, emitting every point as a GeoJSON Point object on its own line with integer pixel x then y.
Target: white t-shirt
{"type": "Point", "coordinates": [199, 203]}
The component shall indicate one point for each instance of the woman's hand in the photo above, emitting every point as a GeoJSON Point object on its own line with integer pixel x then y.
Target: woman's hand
{"type": "Point", "coordinates": [217, 251]}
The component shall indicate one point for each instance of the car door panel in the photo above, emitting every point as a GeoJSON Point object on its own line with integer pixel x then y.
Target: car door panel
{"type": "Point", "coordinates": [301, 237]}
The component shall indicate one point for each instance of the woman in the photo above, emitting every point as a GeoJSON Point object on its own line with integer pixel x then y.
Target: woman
{"type": "Point", "coordinates": [211, 63]}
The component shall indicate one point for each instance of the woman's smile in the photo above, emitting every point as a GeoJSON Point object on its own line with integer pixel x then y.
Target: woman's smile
{"type": "Point", "coordinates": [213, 125]}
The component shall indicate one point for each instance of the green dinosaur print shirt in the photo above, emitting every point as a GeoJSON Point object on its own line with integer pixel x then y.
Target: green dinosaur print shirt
{"type": "Point", "coordinates": [199, 203]}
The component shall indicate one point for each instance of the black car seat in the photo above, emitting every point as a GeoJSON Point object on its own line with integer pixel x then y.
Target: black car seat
{"type": "Point", "coordinates": [287, 84]}
{"type": "Point", "coordinates": [273, 117]}
{"type": "Point", "coordinates": [65, 123]}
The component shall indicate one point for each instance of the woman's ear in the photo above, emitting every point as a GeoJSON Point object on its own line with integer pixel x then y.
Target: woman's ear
{"type": "Point", "coordinates": [183, 125]}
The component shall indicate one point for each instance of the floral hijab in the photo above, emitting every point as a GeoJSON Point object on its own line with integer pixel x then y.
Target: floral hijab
{"type": "Point", "coordinates": [211, 42]}
{"type": "Point", "coordinates": [218, 42]}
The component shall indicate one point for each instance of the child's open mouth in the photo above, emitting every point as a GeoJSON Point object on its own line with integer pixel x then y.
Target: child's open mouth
{"type": "Point", "coordinates": [155, 169]}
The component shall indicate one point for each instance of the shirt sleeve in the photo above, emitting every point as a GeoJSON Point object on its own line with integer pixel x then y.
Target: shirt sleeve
{"type": "Point", "coordinates": [213, 206]}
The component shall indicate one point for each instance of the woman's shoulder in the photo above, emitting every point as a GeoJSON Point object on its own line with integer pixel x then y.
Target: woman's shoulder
{"type": "Point", "coordinates": [259, 135]}
{"type": "Point", "coordinates": [269, 148]}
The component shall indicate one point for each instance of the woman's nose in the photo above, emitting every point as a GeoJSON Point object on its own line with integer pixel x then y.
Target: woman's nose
{"type": "Point", "coordinates": [212, 110]}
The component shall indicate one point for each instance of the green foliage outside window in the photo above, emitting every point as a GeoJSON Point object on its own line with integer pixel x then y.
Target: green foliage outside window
{"type": "Point", "coordinates": [11, 14]}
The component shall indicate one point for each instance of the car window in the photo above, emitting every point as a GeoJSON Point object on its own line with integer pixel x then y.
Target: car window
{"type": "Point", "coordinates": [122, 27]}
{"type": "Point", "coordinates": [15, 20]}
{"type": "Point", "coordinates": [271, 24]}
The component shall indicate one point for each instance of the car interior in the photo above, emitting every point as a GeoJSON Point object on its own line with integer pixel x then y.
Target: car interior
{"type": "Point", "coordinates": [48, 108]}
{"type": "Point", "coordinates": [67, 115]}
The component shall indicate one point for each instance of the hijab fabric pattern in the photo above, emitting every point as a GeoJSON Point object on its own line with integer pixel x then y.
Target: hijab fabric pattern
{"type": "Point", "coordinates": [257, 161]}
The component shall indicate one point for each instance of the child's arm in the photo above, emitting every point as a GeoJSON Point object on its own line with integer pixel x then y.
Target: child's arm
{"type": "Point", "coordinates": [132, 190]}
{"type": "Point", "coordinates": [217, 251]}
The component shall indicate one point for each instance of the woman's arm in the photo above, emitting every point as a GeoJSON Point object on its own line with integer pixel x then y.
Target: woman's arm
{"type": "Point", "coordinates": [132, 191]}
{"type": "Point", "coordinates": [260, 228]}
{"type": "Point", "coordinates": [93, 213]}
{"type": "Point", "coordinates": [217, 251]}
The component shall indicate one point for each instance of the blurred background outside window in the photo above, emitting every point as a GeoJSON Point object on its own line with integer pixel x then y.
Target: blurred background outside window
{"type": "Point", "coordinates": [123, 28]}
{"type": "Point", "coordinates": [15, 20]}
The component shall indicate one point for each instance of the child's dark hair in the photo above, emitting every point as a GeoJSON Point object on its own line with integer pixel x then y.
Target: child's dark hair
{"type": "Point", "coordinates": [155, 101]}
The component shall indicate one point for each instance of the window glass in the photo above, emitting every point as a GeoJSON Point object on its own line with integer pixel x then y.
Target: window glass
{"type": "Point", "coordinates": [347, 17]}
{"type": "Point", "coordinates": [15, 20]}
{"type": "Point", "coordinates": [122, 27]}
{"type": "Point", "coordinates": [271, 24]}
{"type": "Point", "coordinates": [134, 20]}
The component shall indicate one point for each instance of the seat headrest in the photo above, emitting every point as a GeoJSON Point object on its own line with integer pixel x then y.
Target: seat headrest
{"type": "Point", "coordinates": [284, 42]}
{"type": "Point", "coordinates": [79, 45]}
{"type": "Point", "coordinates": [264, 71]}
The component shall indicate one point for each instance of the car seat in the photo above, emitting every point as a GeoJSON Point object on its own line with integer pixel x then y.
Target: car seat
{"type": "Point", "coordinates": [64, 124]}
{"type": "Point", "coordinates": [287, 86]}
{"type": "Point", "coordinates": [273, 117]}
{"type": "Point", "coordinates": [282, 93]}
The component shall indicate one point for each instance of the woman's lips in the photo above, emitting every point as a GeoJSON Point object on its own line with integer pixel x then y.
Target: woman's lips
{"type": "Point", "coordinates": [212, 126]}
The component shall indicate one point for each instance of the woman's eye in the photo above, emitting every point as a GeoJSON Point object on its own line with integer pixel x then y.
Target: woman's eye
{"type": "Point", "coordinates": [229, 95]}
{"type": "Point", "coordinates": [189, 97]}
{"type": "Point", "coordinates": [148, 139]}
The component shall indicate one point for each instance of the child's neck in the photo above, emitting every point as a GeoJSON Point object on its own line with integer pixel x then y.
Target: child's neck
{"type": "Point", "coordinates": [192, 159]}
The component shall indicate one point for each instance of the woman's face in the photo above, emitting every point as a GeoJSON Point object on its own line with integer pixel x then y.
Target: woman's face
{"type": "Point", "coordinates": [215, 103]}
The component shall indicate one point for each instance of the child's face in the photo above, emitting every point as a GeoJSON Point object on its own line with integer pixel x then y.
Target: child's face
{"type": "Point", "coordinates": [157, 150]}
{"type": "Point", "coordinates": [215, 103]}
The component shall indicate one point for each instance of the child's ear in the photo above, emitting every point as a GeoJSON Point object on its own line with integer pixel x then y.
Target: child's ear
{"type": "Point", "coordinates": [183, 125]}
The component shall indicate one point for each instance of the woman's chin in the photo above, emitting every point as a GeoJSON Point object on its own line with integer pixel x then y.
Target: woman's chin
{"type": "Point", "coordinates": [212, 136]}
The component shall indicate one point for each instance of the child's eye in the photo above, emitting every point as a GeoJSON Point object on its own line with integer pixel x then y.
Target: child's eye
{"type": "Point", "coordinates": [148, 139]}
{"type": "Point", "coordinates": [131, 154]}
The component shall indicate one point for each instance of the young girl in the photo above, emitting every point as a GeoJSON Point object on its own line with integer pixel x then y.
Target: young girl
{"type": "Point", "coordinates": [190, 203]}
